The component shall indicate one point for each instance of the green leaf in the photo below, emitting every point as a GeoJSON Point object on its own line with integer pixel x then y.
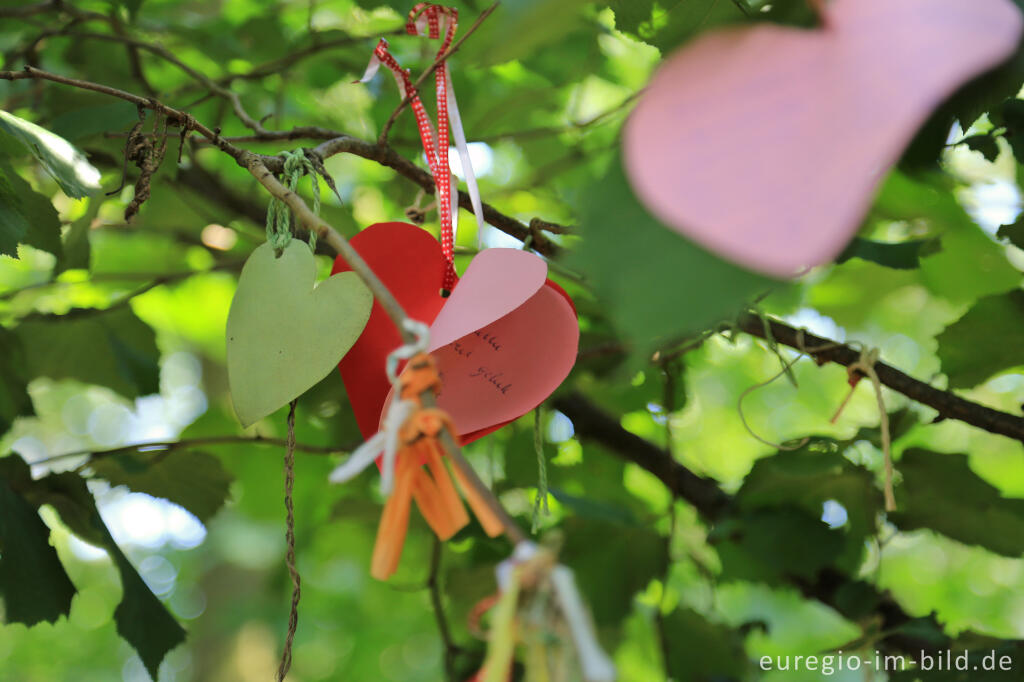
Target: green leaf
{"type": "Point", "coordinates": [942, 493]}
{"type": "Point", "coordinates": [653, 282]}
{"type": "Point", "coordinates": [775, 546]}
{"type": "Point", "coordinates": [193, 480]}
{"type": "Point", "coordinates": [790, 12]}
{"type": "Point", "coordinates": [534, 23]}
{"type": "Point", "coordinates": [1014, 232]}
{"type": "Point", "coordinates": [667, 24]}
{"type": "Point", "coordinates": [970, 264]}
{"type": "Point", "coordinates": [809, 477]}
{"type": "Point", "coordinates": [898, 255]}
{"type": "Point", "coordinates": [683, 19]}
{"type": "Point", "coordinates": [33, 583]}
{"type": "Point", "coordinates": [42, 224]}
{"type": "Point", "coordinates": [701, 650]}
{"type": "Point", "coordinates": [77, 248]}
{"type": "Point", "coordinates": [76, 176]}
{"type": "Point", "coordinates": [142, 620]}
{"type": "Point", "coordinates": [1011, 114]}
{"type": "Point", "coordinates": [631, 14]}
{"type": "Point", "coordinates": [88, 121]}
{"type": "Point", "coordinates": [110, 348]}
{"type": "Point", "coordinates": [595, 510]}
{"type": "Point", "coordinates": [133, 7]}
{"type": "Point", "coordinates": [13, 225]}
{"type": "Point", "coordinates": [986, 144]}
{"type": "Point", "coordinates": [14, 399]}
{"type": "Point", "coordinates": [612, 563]}
{"type": "Point", "coordinates": [982, 342]}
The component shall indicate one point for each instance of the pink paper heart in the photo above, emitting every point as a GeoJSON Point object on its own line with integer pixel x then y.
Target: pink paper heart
{"type": "Point", "coordinates": [504, 340]}
{"type": "Point", "coordinates": [766, 144]}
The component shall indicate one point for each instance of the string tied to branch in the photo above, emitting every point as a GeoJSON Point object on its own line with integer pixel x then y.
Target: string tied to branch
{"type": "Point", "coordinates": [865, 367]}
{"type": "Point", "coordinates": [279, 217]}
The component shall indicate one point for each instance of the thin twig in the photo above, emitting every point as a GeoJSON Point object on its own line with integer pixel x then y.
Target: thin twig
{"type": "Point", "coordinates": [186, 443]}
{"type": "Point", "coordinates": [275, 66]}
{"type": "Point", "coordinates": [592, 423]}
{"type": "Point", "coordinates": [451, 649]}
{"type": "Point", "coordinates": [546, 131]}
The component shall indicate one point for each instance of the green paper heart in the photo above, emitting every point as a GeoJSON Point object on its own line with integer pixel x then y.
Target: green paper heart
{"type": "Point", "coordinates": [284, 332]}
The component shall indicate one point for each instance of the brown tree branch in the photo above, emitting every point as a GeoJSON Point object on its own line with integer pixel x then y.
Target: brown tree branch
{"type": "Point", "coordinates": [386, 156]}
{"type": "Point", "coordinates": [165, 446]}
{"type": "Point", "coordinates": [382, 154]}
{"type": "Point", "coordinates": [948, 404]}
{"type": "Point", "coordinates": [592, 423]}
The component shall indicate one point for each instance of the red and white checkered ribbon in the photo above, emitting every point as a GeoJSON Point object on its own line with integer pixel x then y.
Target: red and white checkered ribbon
{"type": "Point", "coordinates": [435, 21]}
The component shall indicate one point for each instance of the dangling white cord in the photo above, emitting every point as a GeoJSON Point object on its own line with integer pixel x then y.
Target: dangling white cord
{"type": "Point", "coordinates": [594, 662]}
{"type": "Point", "coordinates": [386, 440]}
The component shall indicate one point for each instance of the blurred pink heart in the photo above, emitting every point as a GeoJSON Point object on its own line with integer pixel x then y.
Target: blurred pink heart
{"type": "Point", "coordinates": [766, 144]}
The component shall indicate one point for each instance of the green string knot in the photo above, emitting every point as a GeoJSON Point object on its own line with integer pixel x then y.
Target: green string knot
{"type": "Point", "coordinates": [279, 218]}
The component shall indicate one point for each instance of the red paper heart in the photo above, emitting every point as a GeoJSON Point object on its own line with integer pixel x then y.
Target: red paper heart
{"type": "Point", "coordinates": [531, 361]}
{"type": "Point", "coordinates": [766, 144]}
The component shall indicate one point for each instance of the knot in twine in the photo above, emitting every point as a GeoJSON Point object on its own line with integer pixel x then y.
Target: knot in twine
{"type": "Point", "coordinates": [864, 366]}
{"type": "Point", "coordinates": [279, 217]}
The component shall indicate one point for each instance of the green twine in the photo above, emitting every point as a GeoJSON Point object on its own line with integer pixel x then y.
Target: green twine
{"type": "Point", "coordinates": [279, 218]}
{"type": "Point", "coordinates": [541, 502]}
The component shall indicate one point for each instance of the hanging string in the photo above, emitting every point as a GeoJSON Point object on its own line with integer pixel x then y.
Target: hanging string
{"type": "Point", "coordinates": [279, 216]}
{"type": "Point", "coordinates": [865, 366]}
{"type": "Point", "coordinates": [739, 408]}
{"type": "Point", "coordinates": [786, 370]}
{"type": "Point", "coordinates": [541, 503]}
{"type": "Point", "coordinates": [293, 571]}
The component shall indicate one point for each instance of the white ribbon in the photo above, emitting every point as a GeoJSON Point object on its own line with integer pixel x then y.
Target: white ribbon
{"type": "Point", "coordinates": [595, 664]}
{"type": "Point", "coordinates": [467, 165]}
{"type": "Point", "coordinates": [372, 68]}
